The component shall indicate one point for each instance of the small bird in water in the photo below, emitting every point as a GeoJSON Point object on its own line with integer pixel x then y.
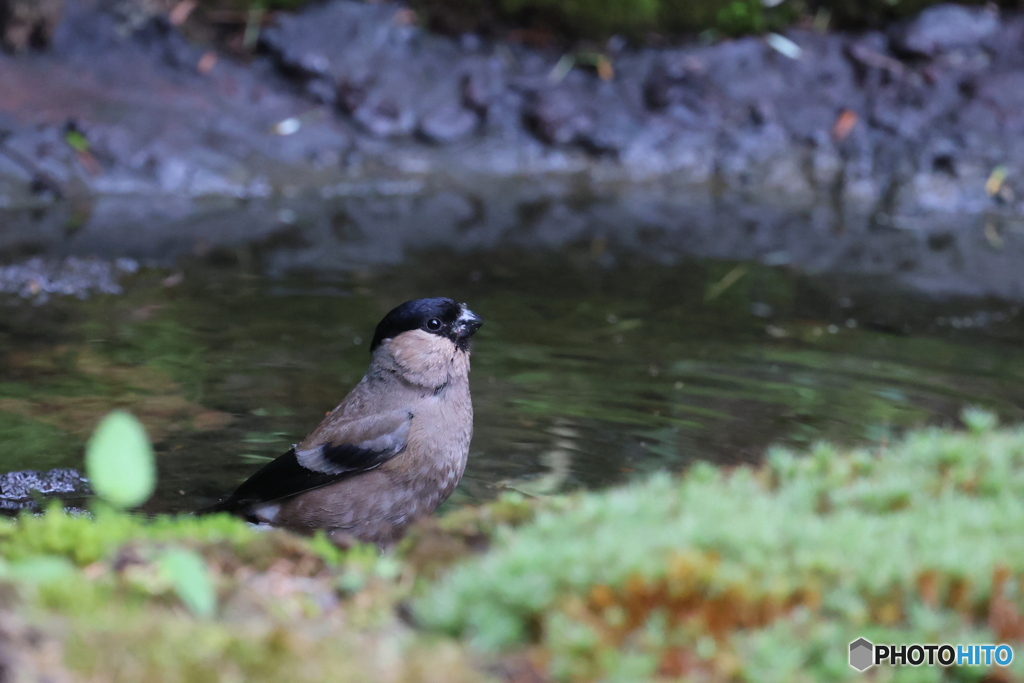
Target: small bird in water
{"type": "Point", "coordinates": [393, 450]}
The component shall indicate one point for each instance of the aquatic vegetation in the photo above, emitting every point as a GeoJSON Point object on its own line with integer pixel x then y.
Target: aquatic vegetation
{"type": "Point", "coordinates": [761, 574]}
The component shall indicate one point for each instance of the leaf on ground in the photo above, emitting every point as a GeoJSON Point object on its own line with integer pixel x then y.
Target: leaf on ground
{"type": "Point", "coordinates": [187, 572]}
{"type": "Point", "coordinates": [120, 462]}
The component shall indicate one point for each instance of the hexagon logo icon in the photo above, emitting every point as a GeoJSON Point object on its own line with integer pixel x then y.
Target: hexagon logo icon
{"type": "Point", "coordinates": [861, 654]}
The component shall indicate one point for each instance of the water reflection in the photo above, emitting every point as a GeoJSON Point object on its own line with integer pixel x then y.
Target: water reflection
{"type": "Point", "coordinates": [590, 370]}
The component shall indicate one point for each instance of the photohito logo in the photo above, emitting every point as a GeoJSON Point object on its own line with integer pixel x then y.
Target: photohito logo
{"type": "Point", "coordinates": [864, 654]}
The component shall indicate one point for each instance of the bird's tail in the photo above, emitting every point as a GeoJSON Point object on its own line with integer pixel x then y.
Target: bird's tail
{"type": "Point", "coordinates": [232, 506]}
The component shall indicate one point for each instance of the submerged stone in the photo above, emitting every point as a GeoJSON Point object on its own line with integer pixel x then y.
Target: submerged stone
{"type": "Point", "coordinates": [20, 489]}
{"type": "Point", "coordinates": [39, 279]}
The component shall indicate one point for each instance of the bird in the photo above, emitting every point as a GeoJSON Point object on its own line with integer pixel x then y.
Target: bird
{"type": "Point", "coordinates": [392, 451]}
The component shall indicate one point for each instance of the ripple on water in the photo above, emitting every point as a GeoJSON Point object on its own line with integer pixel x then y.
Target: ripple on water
{"type": "Point", "coordinates": [586, 373]}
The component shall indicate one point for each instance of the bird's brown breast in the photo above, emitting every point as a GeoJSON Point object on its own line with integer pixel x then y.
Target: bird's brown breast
{"type": "Point", "coordinates": [416, 374]}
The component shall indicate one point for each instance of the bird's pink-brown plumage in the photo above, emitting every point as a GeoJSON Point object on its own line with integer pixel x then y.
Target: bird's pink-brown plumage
{"type": "Point", "coordinates": [392, 451]}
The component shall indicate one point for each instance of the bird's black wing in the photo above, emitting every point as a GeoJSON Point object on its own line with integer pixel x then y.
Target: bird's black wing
{"type": "Point", "coordinates": [303, 469]}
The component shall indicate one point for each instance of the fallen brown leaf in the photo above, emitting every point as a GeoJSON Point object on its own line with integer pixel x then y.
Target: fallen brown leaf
{"type": "Point", "coordinates": [844, 125]}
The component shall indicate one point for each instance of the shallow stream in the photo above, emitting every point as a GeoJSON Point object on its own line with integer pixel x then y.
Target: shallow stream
{"type": "Point", "coordinates": [592, 367]}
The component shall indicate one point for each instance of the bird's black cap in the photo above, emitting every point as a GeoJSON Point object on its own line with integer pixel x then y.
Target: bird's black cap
{"type": "Point", "coordinates": [440, 316]}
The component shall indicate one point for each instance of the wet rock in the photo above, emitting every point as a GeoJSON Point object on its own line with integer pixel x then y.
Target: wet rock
{"type": "Point", "coordinates": [870, 53]}
{"type": "Point", "coordinates": [678, 85]}
{"type": "Point", "coordinates": [38, 280]}
{"type": "Point", "coordinates": [851, 118]}
{"type": "Point", "coordinates": [449, 122]}
{"type": "Point", "coordinates": [1003, 95]}
{"type": "Point", "coordinates": [559, 118]}
{"type": "Point", "coordinates": [150, 122]}
{"type": "Point", "coordinates": [338, 38]}
{"type": "Point", "coordinates": [943, 28]}
{"type": "Point", "coordinates": [582, 112]}
{"type": "Point", "coordinates": [385, 114]}
{"type": "Point", "coordinates": [21, 489]}
{"type": "Point", "coordinates": [483, 85]}
{"type": "Point", "coordinates": [909, 106]}
{"type": "Point", "coordinates": [389, 77]}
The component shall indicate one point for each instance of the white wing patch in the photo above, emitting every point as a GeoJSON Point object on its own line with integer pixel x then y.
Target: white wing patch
{"type": "Point", "coordinates": [377, 449]}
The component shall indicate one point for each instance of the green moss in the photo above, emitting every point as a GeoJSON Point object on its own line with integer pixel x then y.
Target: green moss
{"type": "Point", "coordinates": [125, 598]}
{"type": "Point", "coordinates": [910, 543]}
{"type": "Point", "coordinates": [750, 575]}
{"type": "Point", "coordinates": [84, 539]}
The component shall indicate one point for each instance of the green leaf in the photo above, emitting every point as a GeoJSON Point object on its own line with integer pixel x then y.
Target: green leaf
{"type": "Point", "coordinates": [77, 141]}
{"type": "Point", "coordinates": [119, 461]}
{"type": "Point", "coordinates": [187, 572]}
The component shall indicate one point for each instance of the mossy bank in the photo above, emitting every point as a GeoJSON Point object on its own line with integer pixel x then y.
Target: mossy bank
{"type": "Point", "coordinates": [749, 574]}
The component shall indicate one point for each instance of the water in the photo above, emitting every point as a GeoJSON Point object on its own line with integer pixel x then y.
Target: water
{"type": "Point", "coordinates": [592, 367]}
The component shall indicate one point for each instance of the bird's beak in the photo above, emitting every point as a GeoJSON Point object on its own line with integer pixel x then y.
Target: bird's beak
{"type": "Point", "coordinates": [467, 323]}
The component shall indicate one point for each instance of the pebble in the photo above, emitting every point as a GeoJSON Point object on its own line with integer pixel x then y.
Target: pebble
{"type": "Point", "coordinates": [19, 489]}
{"type": "Point", "coordinates": [39, 279]}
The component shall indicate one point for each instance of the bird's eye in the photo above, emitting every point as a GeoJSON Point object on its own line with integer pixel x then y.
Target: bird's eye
{"type": "Point", "coordinates": [433, 324]}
